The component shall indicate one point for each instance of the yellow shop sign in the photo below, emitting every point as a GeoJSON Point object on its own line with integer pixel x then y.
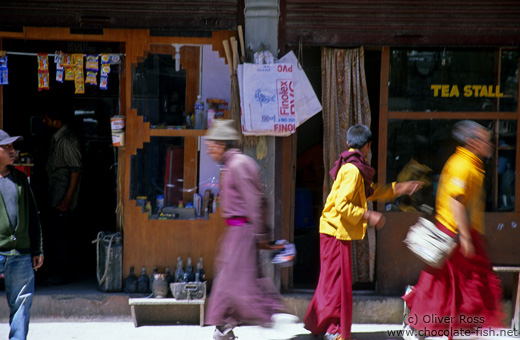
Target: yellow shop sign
{"type": "Point", "coordinates": [489, 91]}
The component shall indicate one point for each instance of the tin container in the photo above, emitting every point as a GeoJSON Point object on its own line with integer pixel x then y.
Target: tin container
{"type": "Point", "coordinates": [118, 138]}
{"type": "Point", "coordinates": [117, 123]}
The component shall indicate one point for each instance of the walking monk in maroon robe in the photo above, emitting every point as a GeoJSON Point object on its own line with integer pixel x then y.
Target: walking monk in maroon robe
{"type": "Point", "coordinates": [238, 295]}
{"type": "Point", "coordinates": [345, 218]}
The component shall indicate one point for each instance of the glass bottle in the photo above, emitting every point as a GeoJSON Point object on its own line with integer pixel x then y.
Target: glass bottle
{"type": "Point", "coordinates": [131, 282]}
{"type": "Point", "coordinates": [179, 272]}
{"type": "Point", "coordinates": [168, 276]}
{"type": "Point", "coordinates": [200, 275]}
{"type": "Point", "coordinates": [189, 275]}
{"type": "Point", "coordinates": [143, 282]}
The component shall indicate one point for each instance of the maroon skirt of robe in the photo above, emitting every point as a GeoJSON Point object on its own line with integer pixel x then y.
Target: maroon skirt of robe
{"type": "Point", "coordinates": [239, 296]}
{"type": "Point", "coordinates": [330, 309]}
{"type": "Point", "coordinates": [465, 293]}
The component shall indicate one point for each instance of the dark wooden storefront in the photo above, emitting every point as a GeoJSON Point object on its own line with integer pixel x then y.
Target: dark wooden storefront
{"type": "Point", "coordinates": [378, 27]}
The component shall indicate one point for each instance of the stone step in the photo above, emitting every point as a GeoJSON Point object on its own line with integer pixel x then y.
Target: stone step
{"type": "Point", "coordinates": [84, 302]}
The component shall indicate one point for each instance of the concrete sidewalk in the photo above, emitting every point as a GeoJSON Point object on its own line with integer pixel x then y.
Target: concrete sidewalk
{"type": "Point", "coordinates": [127, 331]}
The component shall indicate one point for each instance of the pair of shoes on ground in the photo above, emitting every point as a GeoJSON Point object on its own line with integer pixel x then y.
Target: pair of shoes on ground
{"type": "Point", "coordinates": [224, 335]}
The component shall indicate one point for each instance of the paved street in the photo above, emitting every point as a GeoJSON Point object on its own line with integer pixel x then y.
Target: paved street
{"type": "Point", "coordinates": [126, 331]}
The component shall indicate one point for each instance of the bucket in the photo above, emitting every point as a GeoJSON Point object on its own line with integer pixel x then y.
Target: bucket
{"type": "Point", "coordinates": [118, 138]}
{"type": "Point", "coordinates": [117, 123]}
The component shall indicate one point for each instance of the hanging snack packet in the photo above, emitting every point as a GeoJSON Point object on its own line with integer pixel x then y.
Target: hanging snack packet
{"type": "Point", "coordinates": [67, 60]}
{"type": "Point", "coordinates": [91, 78]}
{"type": "Point", "coordinates": [43, 62]}
{"type": "Point", "coordinates": [92, 62]}
{"type": "Point", "coordinates": [105, 69]}
{"type": "Point", "coordinates": [4, 76]}
{"type": "Point", "coordinates": [69, 73]}
{"type": "Point", "coordinates": [58, 60]}
{"type": "Point", "coordinates": [77, 60]}
{"type": "Point", "coordinates": [4, 72]}
{"type": "Point", "coordinates": [80, 87]}
{"type": "Point", "coordinates": [43, 81]}
{"type": "Point", "coordinates": [105, 59]}
{"type": "Point", "coordinates": [103, 82]}
{"type": "Point", "coordinates": [79, 80]}
{"type": "Point", "coordinates": [3, 59]}
{"type": "Point", "coordinates": [60, 75]}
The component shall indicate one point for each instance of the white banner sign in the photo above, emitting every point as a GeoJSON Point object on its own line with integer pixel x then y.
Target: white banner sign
{"type": "Point", "coordinates": [275, 98]}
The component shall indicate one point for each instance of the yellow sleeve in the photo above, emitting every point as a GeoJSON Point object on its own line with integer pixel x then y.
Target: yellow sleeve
{"type": "Point", "coordinates": [383, 192]}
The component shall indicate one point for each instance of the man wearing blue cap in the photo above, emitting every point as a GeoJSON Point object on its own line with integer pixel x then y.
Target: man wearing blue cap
{"type": "Point", "coordinates": [20, 238]}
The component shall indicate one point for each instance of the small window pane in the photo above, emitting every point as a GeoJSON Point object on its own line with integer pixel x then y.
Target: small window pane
{"type": "Point", "coordinates": [418, 149]}
{"type": "Point", "coordinates": [452, 80]}
{"type": "Point", "coordinates": [159, 91]}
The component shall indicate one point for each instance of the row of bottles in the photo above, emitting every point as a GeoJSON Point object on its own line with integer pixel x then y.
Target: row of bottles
{"type": "Point", "coordinates": [144, 283]}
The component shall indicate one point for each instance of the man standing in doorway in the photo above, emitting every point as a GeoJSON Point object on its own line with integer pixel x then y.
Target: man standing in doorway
{"type": "Point", "coordinates": [20, 239]}
{"type": "Point", "coordinates": [64, 169]}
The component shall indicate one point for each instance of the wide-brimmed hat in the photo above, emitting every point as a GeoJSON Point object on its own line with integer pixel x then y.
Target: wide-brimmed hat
{"type": "Point", "coordinates": [6, 139]}
{"type": "Point", "coordinates": [222, 129]}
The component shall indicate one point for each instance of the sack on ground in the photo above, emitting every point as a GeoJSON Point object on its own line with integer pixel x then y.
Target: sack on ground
{"type": "Point", "coordinates": [428, 243]}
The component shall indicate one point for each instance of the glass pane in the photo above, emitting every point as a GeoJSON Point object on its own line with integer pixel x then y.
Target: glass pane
{"type": "Point", "coordinates": [159, 91]}
{"type": "Point", "coordinates": [157, 176]}
{"type": "Point", "coordinates": [418, 149]}
{"type": "Point", "coordinates": [453, 80]}
{"type": "Point", "coordinates": [506, 152]}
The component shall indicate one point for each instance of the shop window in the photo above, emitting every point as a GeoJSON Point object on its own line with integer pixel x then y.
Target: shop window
{"type": "Point", "coordinates": [429, 90]}
{"type": "Point", "coordinates": [418, 149]}
{"type": "Point", "coordinates": [453, 80]}
{"type": "Point", "coordinates": [159, 91]}
{"type": "Point", "coordinates": [171, 176]}
{"type": "Point", "coordinates": [163, 184]}
{"type": "Point", "coordinates": [165, 179]}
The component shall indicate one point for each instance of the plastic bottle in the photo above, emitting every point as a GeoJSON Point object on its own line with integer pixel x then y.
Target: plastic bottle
{"type": "Point", "coordinates": [200, 117]}
{"type": "Point", "coordinates": [148, 208]}
{"type": "Point", "coordinates": [211, 117]}
{"type": "Point", "coordinates": [160, 203]}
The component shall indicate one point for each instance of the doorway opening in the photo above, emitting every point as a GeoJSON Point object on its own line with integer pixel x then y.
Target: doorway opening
{"type": "Point", "coordinates": [24, 107]}
{"type": "Point", "coordinates": [310, 171]}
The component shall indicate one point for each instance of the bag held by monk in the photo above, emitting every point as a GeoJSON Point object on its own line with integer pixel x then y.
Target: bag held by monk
{"type": "Point", "coordinates": [428, 243]}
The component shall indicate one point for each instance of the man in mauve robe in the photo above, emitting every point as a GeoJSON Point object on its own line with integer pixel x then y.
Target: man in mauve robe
{"type": "Point", "coordinates": [238, 295]}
